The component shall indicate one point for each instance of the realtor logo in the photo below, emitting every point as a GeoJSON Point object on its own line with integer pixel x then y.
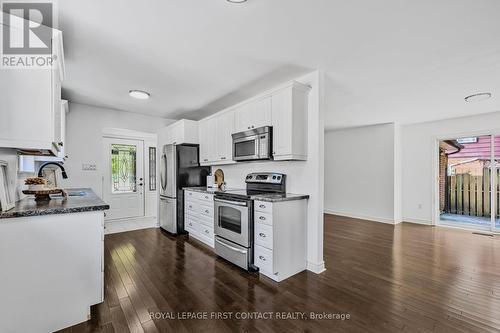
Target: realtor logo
{"type": "Point", "coordinates": [27, 32]}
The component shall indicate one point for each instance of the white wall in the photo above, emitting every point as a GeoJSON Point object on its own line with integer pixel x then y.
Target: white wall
{"type": "Point", "coordinates": [420, 153]}
{"type": "Point", "coordinates": [84, 131]}
{"type": "Point", "coordinates": [362, 178]}
{"type": "Point", "coordinates": [303, 177]}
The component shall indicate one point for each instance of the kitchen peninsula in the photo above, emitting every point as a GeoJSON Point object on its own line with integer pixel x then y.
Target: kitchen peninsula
{"type": "Point", "coordinates": [52, 259]}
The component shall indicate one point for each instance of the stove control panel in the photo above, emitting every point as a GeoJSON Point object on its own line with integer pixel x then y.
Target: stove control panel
{"type": "Point", "coordinates": [269, 178]}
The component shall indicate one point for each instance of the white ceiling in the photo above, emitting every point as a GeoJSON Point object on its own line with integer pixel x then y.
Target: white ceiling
{"type": "Point", "coordinates": [384, 61]}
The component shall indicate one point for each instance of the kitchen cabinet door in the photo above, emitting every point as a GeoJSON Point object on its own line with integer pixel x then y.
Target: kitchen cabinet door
{"type": "Point", "coordinates": [262, 113]}
{"type": "Point", "coordinates": [253, 114]}
{"type": "Point", "coordinates": [225, 127]}
{"type": "Point", "coordinates": [208, 152]}
{"type": "Point", "coordinates": [289, 120]}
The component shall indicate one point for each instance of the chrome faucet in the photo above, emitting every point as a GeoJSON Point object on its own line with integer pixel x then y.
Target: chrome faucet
{"type": "Point", "coordinates": [64, 175]}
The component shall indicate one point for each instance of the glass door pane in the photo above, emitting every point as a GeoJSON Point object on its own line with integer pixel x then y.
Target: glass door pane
{"type": "Point", "coordinates": [465, 182]}
{"type": "Point", "coordinates": [123, 168]}
{"type": "Point", "coordinates": [496, 181]}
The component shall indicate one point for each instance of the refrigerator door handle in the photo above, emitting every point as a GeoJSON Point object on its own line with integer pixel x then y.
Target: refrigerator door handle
{"type": "Point", "coordinates": [163, 175]}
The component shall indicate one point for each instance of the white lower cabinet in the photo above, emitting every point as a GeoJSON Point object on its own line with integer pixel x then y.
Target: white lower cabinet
{"type": "Point", "coordinates": [280, 238]}
{"type": "Point", "coordinates": [199, 216]}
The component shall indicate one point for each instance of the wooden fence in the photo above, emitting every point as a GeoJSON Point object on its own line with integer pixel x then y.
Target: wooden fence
{"type": "Point", "coordinates": [470, 195]}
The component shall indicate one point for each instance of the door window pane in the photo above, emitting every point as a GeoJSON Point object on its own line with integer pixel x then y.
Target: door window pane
{"type": "Point", "coordinates": [496, 180]}
{"type": "Point", "coordinates": [123, 168]}
{"type": "Point", "coordinates": [230, 219]}
{"type": "Point", "coordinates": [152, 168]}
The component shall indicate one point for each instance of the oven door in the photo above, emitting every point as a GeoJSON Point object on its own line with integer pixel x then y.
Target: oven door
{"type": "Point", "coordinates": [246, 148]}
{"type": "Point", "coordinates": [232, 220]}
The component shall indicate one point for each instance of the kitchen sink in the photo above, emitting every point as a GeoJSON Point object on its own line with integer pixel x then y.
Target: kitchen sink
{"type": "Point", "coordinates": [72, 194]}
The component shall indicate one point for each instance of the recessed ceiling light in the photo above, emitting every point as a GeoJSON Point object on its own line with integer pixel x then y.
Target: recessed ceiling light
{"type": "Point", "coordinates": [236, 1]}
{"type": "Point", "coordinates": [139, 94]}
{"type": "Point", "coordinates": [478, 97]}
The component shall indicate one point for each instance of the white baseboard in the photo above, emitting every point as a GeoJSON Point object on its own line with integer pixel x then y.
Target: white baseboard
{"type": "Point", "coordinates": [417, 221]}
{"type": "Point", "coordinates": [122, 225]}
{"type": "Point", "coordinates": [360, 216]}
{"type": "Point", "coordinates": [316, 267]}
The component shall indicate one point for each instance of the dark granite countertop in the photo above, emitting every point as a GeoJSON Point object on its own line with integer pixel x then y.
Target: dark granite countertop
{"type": "Point", "coordinates": [275, 197]}
{"type": "Point", "coordinates": [271, 197]}
{"type": "Point", "coordinates": [79, 200]}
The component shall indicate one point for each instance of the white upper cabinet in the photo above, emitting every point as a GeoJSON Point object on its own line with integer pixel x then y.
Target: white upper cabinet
{"type": "Point", "coordinates": [289, 120]}
{"type": "Point", "coordinates": [284, 108]}
{"type": "Point", "coordinates": [216, 145]}
{"type": "Point", "coordinates": [224, 140]}
{"type": "Point", "coordinates": [208, 152]}
{"type": "Point", "coordinates": [254, 114]}
{"type": "Point", "coordinates": [182, 131]}
{"type": "Point", "coordinates": [31, 104]}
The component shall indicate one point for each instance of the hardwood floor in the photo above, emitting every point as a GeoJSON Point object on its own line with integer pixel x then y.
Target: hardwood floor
{"type": "Point", "coordinates": [408, 278]}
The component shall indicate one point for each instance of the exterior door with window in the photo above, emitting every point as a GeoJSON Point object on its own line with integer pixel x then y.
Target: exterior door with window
{"type": "Point", "coordinates": [123, 186]}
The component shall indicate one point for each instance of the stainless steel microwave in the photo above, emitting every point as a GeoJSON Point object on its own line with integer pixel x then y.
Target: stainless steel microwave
{"type": "Point", "coordinates": [255, 144]}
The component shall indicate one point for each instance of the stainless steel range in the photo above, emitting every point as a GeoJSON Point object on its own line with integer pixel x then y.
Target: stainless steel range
{"type": "Point", "coordinates": [234, 222]}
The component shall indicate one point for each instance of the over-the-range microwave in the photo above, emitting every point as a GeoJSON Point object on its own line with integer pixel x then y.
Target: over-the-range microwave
{"type": "Point", "coordinates": [255, 144]}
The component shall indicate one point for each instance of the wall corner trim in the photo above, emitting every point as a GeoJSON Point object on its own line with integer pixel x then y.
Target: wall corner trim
{"type": "Point", "coordinates": [317, 268]}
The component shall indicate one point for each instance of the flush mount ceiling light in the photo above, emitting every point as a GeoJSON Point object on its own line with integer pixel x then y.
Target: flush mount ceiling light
{"type": "Point", "coordinates": [478, 97]}
{"type": "Point", "coordinates": [236, 1]}
{"type": "Point", "coordinates": [139, 94]}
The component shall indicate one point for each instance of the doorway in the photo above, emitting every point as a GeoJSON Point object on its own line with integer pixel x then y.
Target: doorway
{"type": "Point", "coordinates": [123, 185]}
{"type": "Point", "coordinates": [469, 182]}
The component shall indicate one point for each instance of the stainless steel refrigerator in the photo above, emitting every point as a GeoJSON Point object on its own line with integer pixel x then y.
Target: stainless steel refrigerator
{"type": "Point", "coordinates": [179, 168]}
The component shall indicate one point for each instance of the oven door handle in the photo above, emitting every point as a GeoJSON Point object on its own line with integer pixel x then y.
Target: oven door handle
{"type": "Point", "coordinates": [237, 203]}
{"type": "Point", "coordinates": [230, 247]}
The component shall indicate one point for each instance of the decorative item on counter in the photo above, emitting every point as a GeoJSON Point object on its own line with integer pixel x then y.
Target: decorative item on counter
{"type": "Point", "coordinates": [211, 181]}
{"type": "Point", "coordinates": [49, 174]}
{"type": "Point", "coordinates": [36, 183]}
{"type": "Point", "coordinates": [38, 186]}
{"type": "Point", "coordinates": [219, 178]}
{"type": "Point", "coordinates": [6, 195]}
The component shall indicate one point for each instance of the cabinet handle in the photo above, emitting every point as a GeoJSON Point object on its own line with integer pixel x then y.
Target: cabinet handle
{"type": "Point", "coordinates": [190, 224]}
{"type": "Point", "coordinates": [190, 206]}
{"type": "Point", "coordinates": [190, 193]}
{"type": "Point", "coordinates": [207, 232]}
{"type": "Point", "coordinates": [248, 127]}
{"type": "Point", "coordinates": [262, 235]}
{"type": "Point", "coordinates": [60, 144]}
{"type": "Point", "coordinates": [222, 158]}
{"type": "Point", "coordinates": [205, 160]}
{"type": "Point", "coordinates": [262, 258]}
{"type": "Point", "coordinates": [253, 126]}
{"type": "Point", "coordinates": [206, 211]}
{"type": "Point", "coordinates": [262, 206]}
{"type": "Point", "coordinates": [262, 218]}
{"type": "Point", "coordinates": [206, 196]}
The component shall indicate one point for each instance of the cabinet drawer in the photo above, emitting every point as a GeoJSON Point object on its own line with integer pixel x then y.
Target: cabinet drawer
{"type": "Point", "coordinates": [204, 197]}
{"type": "Point", "coordinates": [263, 218]}
{"type": "Point", "coordinates": [264, 235]}
{"type": "Point", "coordinates": [206, 220]}
{"type": "Point", "coordinates": [191, 206]}
{"type": "Point", "coordinates": [264, 259]}
{"type": "Point", "coordinates": [207, 231]}
{"type": "Point", "coordinates": [207, 211]}
{"type": "Point", "coordinates": [263, 207]}
{"type": "Point", "coordinates": [191, 225]}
